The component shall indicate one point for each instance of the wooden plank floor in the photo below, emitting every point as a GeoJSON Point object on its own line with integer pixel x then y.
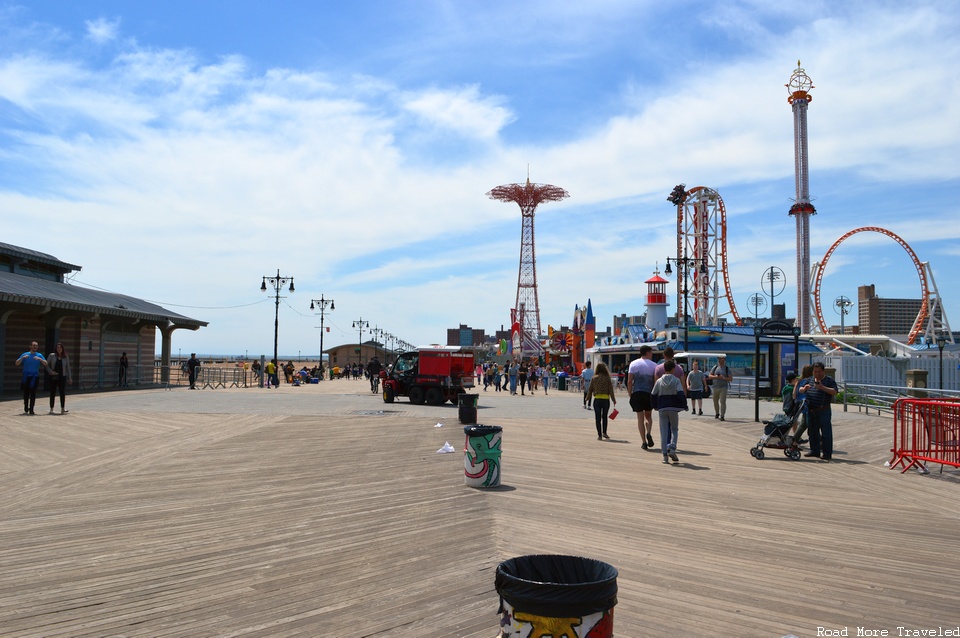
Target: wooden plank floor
{"type": "Point", "coordinates": [321, 511]}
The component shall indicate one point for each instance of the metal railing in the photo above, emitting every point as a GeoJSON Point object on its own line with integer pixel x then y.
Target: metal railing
{"type": "Point", "coordinates": [91, 378]}
{"type": "Point", "coordinates": [879, 399]}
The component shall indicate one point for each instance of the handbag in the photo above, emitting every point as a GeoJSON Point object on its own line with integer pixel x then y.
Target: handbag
{"type": "Point", "coordinates": [613, 415]}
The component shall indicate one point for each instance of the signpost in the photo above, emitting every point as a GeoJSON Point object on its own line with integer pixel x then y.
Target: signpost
{"type": "Point", "coordinates": [771, 328]}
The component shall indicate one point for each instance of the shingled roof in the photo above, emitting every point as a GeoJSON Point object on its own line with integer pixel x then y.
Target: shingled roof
{"type": "Point", "coordinates": [33, 291]}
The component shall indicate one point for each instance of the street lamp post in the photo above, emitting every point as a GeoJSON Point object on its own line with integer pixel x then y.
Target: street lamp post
{"type": "Point", "coordinates": [759, 303]}
{"type": "Point", "coordinates": [375, 334]}
{"type": "Point", "coordinates": [276, 283]}
{"type": "Point", "coordinates": [388, 338]}
{"type": "Point", "coordinates": [321, 305]}
{"type": "Point", "coordinates": [941, 341]}
{"type": "Point", "coordinates": [842, 305]}
{"type": "Point", "coordinates": [684, 264]}
{"type": "Point", "coordinates": [773, 275]}
{"type": "Point", "coordinates": [360, 324]}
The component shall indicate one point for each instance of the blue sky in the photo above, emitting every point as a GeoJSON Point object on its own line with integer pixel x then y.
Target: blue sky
{"type": "Point", "coordinates": [180, 151]}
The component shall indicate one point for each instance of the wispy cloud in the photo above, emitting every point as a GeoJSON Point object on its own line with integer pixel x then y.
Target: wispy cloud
{"type": "Point", "coordinates": [102, 30]}
{"type": "Point", "coordinates": [464, 111]}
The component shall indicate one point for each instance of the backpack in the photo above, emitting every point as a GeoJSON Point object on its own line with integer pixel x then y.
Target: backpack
{"type": "Point", "coordinates": [789, 404]}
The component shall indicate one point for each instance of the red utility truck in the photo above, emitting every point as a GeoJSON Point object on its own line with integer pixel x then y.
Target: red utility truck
{"type": "Point", "coordinates": [430, 374]}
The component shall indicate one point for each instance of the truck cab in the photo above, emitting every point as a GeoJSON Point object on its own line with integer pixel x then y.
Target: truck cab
{"type": "Point", "coordinates": [430, 374]}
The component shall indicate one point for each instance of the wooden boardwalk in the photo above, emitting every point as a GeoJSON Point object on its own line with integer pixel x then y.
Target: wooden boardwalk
{"type": "Point", "coordinates": [321, 511]}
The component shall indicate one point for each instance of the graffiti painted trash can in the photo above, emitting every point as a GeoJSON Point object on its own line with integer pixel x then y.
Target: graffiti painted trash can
{"type": "Point", "coordinates": [546, 594]}
{"type": "Point", "coordinates": [481, 455]}
{"type": "Point", "coordinates": [468, 407]}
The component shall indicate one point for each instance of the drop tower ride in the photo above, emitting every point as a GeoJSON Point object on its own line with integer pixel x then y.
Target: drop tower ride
{"type": "Point", "coordinates": [799, 99]}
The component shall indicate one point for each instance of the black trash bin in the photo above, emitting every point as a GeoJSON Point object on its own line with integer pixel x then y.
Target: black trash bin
{"type": "Point", "coordinates": [541, 590]}
{"type": "Point", "coordinates": [468, 407]}
{"type": "Point", "coordinates": [561, 383]}
{"type": "Point", "coordinates": [481, 455]}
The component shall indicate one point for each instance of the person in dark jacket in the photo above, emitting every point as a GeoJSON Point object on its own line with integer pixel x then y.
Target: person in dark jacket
{"type": "Point", "coordinates": [669, 400]}
{"type": "Point", "coordinates": [59, 365]}
{"type": "Point", "coordinates": [193, 365]}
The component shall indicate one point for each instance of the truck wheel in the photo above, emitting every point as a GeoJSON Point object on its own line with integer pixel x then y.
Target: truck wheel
{"type": "Point", "coordinates": [434, 396]}
{"type": "Point", "coordinates": [416, 395]}
{"type": "Point", "coordinates": [388, 395]}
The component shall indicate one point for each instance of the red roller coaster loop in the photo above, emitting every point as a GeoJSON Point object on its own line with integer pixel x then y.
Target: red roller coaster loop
{"type": "Point", "coordinates": [924, 291]}
{"type": "Point", "coordinates": [702, 236]}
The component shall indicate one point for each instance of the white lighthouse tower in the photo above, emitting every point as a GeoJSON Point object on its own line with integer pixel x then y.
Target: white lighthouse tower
{"type": "Point", "coordinates": [657, 302]}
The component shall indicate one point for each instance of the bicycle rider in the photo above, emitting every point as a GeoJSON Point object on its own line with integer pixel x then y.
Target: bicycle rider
{"type": "Point", "coordinates": [373, 371]}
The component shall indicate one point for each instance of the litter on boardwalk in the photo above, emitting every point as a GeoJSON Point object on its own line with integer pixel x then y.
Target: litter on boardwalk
{"type": "Point", "coordinates": [446, 449]}
{"type": "Point", "coordinates": [438, 425]}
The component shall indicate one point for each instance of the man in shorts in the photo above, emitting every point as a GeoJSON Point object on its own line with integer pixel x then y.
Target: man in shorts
{"type": "Point", "coordinates": [720, 377]}
{"type": "Point", "coordinates": [640, 379]}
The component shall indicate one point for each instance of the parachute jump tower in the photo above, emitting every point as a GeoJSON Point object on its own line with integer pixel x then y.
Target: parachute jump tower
{"type": "Point", "coordinates": [527, 310]}
{"type": "Point", "coordinates": [799, 99]}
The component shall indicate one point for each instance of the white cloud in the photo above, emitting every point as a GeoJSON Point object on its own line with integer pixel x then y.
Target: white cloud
{"type": "Point", "coordinates": [463, 111]}
{"type": "Point", "coordinates": [102, 30]}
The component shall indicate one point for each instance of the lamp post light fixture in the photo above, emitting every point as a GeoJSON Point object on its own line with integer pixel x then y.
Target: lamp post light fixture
{"type": "Point", "coordinates": [941, 341]}
{"type": "Point", "coordinates": [276, 283]}
{"type": "Point", "coordinates": [684, 266]}
{"type": "Point", "coordinates": [360, 324]}
{"type": "Point", "coordinates": [842, 305]}
{"type": "Point", "coordinates": [378, 334]}
{"type": "Point", "coordinates": [387, 338]}
{"type": "Point", "coordinates": [321, 305]}
{"type": "Point", "coordinates": [774, 275]}
{"type": "Point", "coordinates": [758, 302]}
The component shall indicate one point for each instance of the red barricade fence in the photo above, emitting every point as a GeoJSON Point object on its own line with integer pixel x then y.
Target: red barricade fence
{"type": "Point", "coordinates": [926, 431]}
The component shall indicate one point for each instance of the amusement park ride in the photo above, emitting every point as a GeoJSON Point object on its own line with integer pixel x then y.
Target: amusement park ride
{"type": "Point", "coordinates": [525, 319]}
{"type": "Point", "coordinates": [702, 238]}
{"type": "Point", "coordinates": [704, 294]}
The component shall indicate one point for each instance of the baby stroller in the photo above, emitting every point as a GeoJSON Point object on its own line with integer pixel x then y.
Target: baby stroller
{"type": "Point", "coordinates": [776, 435]}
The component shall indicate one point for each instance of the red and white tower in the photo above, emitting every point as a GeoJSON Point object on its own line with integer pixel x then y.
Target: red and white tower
{"type": "Point", "coordinates": [799, 98]}
{"type": "Point", "coordinates": [527, 310]}
{"type": "Point", "coordinates": [657, 302]}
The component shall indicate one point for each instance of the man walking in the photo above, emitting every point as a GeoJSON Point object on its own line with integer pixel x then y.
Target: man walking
{"type": "Point", "coordinates": [373, 371]}
{"type": "Point", "coordinates": [820, 395]}
{"type": "Point", "coordinates": [193, 364]}
{"type": "Point", "coordinates": [720, 378]}
{"type": "Point", "coordinates": [586, 375]}
{"type": "Point", "coordinates": [639, 384]}
{"type": "Point", "coordinates": [31, 360]}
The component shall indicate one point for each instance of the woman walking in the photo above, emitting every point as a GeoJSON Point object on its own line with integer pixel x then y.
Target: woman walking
{"type": "Point", "coordinates": [59, 365]}
{"type": "Point", "coordinates": [601, 391]}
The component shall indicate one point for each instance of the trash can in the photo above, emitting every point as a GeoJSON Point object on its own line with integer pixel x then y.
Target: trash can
{"type": "Point", "coordinates": [562, 382]}
{"type": "Point", "coordinates": [556, 595]}
{"type": "Point", "coordinates": [481, 455]}
{"type": "Point", "coordinates": [468, 407]}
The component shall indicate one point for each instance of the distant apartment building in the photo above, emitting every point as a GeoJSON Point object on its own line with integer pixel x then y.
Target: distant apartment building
{"type": "Point", "coordinates": [623, 320]}
{"type": "Point", "coordinates": [465, 336]}
{"type": "Point", "coordinates": [879, 316]}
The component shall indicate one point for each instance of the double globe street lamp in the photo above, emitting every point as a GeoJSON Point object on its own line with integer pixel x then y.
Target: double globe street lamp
{"type": "Point", "coordinates": [360, 324]}
{"type": "Point", "coordinates": [321, 305]}
{"type": "Point", "coordinates": [276, 283]}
